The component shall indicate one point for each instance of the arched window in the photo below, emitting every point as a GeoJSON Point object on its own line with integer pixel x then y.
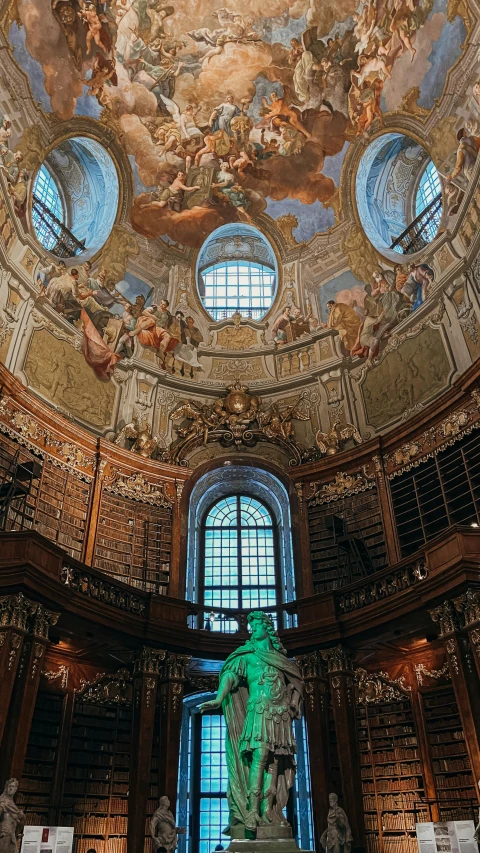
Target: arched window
{"type": "Point", "coordinates": [202, 782]}
{"type": "Point", "coordinates": [240, 565]}
{"type": "Point", "coordinates": [236, 272]}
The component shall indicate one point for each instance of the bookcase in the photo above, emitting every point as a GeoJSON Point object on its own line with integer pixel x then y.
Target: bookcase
{"type": "Point", "coordinates": [35, 788]}
{"type": "Point", "coordinates": [392, 779]}
{"type": "Point", "coordinates": [62, 508]}
{"type": "Point", "coordinates": [362, 518]}
{"type": "Point", "coordinates": [133, 542]}
{"type": "Point", "coordinates": [454, 783]}
{"type": "Point", "coordinates": [439, 492]}
{"type": "Point", "coordinates": [96, 782]}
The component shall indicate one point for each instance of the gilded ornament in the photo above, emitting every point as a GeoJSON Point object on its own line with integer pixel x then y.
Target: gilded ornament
{"type": "Point", "coordinates": [139, 432]}
{"type": "Point", "coordinates": [331, 442]}
{"type": "Point", "coordinates": [342, 486]}
{"type": "Point", "coordinates": [137, 487]}
{"type": "Point", "coordinates": [421, 672]}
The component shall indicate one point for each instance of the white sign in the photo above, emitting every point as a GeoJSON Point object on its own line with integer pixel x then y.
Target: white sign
{"type": "Point", "coordinates": [453, 836]}
{"type": "Point", "coordinates": [48, 839]}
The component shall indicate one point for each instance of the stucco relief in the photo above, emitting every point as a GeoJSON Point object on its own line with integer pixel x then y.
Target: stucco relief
{"type": "Point", "coordinates": [410, 375]}
{"type": "Point", "coordinates": [59, 372]}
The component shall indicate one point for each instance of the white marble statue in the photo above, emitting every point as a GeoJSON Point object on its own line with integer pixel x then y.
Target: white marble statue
{"type": "Point", "coordinates": [337, 837]}
{"type": "Point", "coordinates": [12, 818]}
{"type": "Point", "coordinates": [163, 830]}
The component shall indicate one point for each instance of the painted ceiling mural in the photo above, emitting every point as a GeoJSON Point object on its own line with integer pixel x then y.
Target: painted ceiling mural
{"type": "Point", "coordinates": [260, 125]}
{"type": "Point", "coordinates": [227, 113]}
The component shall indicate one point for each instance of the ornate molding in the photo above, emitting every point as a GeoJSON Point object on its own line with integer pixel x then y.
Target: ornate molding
{"type": "Point", "coordinates": [15, 611]}
{"type": "Point", "coordinates": [202, 684]}
{"type": "Point", "coordinates": [379, 687]}
{"type": "Point", "coordinates": [42, 620]}
{"type": "Point", "coordinates": [26, 430]}
{"type": "Point", "coordinates": [337, 659]}
{"type": "Point", "coordinates": [175, 666]}
{"type": "Point", "coordinates": [138, 488]}
{"type": "Point", "coordinates": [149, 661]}
{"type": "Point", "coordinates": [103, 590]}
{"type": "Point", "coordinates": [468, 605]}
{"type": "Point", "coordinates": [62, 673]}
{"type": "Point", "coordinates": [342, 486]}
{"type": "Point", "coordinates": [422, 672]}
{"type": "Point", "coordinates": [107, 689]}
{"type": "Point", "coordinates": [376, 590]}
{"type": "Point", "coordinates": [19, 612]}
{"type": "Point", "coordinates": [450, 430]}
{"type": "Point", "coordinates": [312, 665]}
{"type": "Point", "coordinates": [446, 618]}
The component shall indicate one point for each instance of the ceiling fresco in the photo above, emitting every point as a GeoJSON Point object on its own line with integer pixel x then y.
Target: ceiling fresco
{"type": "Point", "coordinates": [226, 113]}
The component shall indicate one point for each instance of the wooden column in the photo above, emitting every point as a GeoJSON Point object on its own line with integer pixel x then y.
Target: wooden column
{"type": "Point", "coordinates": [14, 612]}
{"type": "Point", "coordinates": [304, 579]}
{"type": "Point", "coordinates": [316, 715]}
{"type": "Point", "coordinates": [176, 586]}
{"type": "Point", "coordinates": [342, 689]}
{"type": "Point", "coordinates": [145, 686]}
{"type": "Point", "coordinates": [465, 677]}
{"type": "Point", "coordinates": [424, 753]}
{"type": "Point", "coordinates": [391, 539]}
{"type": "Point", "coordinates": [468, 608]}
{"type": "Point", "coordinates": [171, 708]}
{"type": "Point", "coordinates": [24, 694]}
{"type": "Point", "coordinates": [64, 736]}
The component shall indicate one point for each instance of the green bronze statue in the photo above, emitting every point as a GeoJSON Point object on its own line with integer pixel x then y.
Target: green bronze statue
{"type": "Point", "coordinates": [260, 692]}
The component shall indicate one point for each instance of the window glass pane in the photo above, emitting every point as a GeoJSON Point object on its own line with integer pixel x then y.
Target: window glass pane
{"type": "Point", "coordinates": [428, 190]}
{"type": "Point", "coordinates": [238, 286]}
{"type": "Point", "coordinates": [46, 195]}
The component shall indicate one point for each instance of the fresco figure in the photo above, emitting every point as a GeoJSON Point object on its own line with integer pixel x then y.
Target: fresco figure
{"type": "Point", "coordinates": [345, 320]}
{"type": "Point", "coordinates": [467, 153]}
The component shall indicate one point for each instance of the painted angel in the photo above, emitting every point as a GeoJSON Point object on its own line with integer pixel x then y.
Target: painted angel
{"type": "Point", "coordinates": [330, 442]}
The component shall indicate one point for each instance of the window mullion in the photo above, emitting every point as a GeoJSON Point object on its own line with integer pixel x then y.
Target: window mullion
{"type": "Point", "coordinates": [239, 554]}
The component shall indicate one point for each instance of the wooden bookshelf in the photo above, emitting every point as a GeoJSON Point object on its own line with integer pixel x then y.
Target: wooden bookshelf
{"type": "Point", "coordinates": [362, 516]}
{"type": "Point", "coordinates": [392, 778]}
{"type": "Point", "coordinates": [133, 542]}
{"type": "Point", "coordinates": [454, 782]}
{"type": "Point", "coordinates": [35, 788]}
{"type": "Point", "coordinates": [62, 508]}
{"type": "Point", "coordinates": [439, 492]}
{"type": "Point", "coordinates": [96, 783]}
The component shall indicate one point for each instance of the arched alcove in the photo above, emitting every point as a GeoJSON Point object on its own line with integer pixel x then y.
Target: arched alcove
{"type": "Point", "coordinates": [231, 480]}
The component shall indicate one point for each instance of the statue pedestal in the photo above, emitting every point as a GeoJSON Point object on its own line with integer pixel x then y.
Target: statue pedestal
{"type": "Point", "coordinates": [270, 839]}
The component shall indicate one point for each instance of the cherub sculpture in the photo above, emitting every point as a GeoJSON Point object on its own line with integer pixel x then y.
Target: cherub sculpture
{"type": "Point", "coordinates": [203, 419]}
{"type": "Point", "coordinates": [140, 431]}
{"type": "Point", "coordinates": [332, 441]}
{"type": "Point", "coordinates": [277, 422]}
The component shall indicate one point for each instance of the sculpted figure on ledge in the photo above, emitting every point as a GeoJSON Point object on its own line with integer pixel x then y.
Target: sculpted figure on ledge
{"type": "Point", "coordinates": [12, 818]}
{"type": "Point", "coordinates": [337, 837]}
{"type": "Point", "coordinates": [260, 692]}
{"type": "Point", "coordinates": [163, 829]}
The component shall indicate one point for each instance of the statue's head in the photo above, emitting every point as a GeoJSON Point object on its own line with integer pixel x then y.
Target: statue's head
{"type": "Point", "coordinates": [11, 786]}
{"type": "Point", "coordinates": [333, 800]}
{"type": "Point", "coordinates": [261, 625]}
{"type": "Point", "coordinates": [164, 803]}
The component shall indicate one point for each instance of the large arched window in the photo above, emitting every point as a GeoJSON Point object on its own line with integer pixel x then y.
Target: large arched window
{"type": "Point", "coordinates": [202, 782]}
{"type": "Point", "coordinates": [240, 565]}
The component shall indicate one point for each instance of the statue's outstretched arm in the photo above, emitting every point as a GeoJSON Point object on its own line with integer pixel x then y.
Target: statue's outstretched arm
{"type": "Point", "coordinates": [228, 682]}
